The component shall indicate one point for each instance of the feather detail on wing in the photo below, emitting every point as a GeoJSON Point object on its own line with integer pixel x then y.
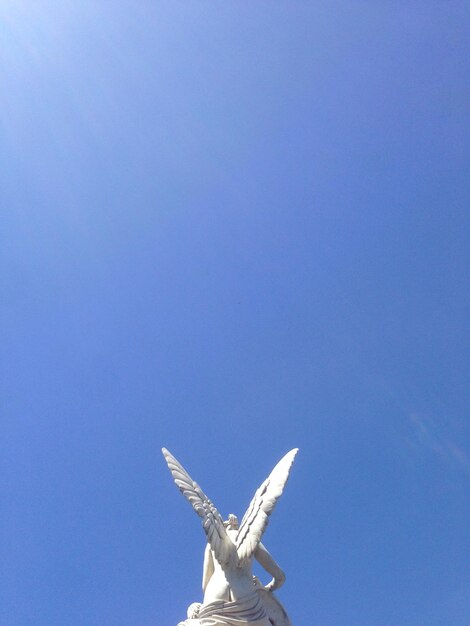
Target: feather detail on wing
{"type": "Point", "coordinates": [256, 518]}
{"type": "Point", "coordinates": [220, 542]}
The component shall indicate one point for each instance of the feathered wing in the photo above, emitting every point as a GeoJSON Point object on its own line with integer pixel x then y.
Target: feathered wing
{"type": "Point", "coordinates": [219, 541]}
{"type": "Point", "coordinates": [256, 518]}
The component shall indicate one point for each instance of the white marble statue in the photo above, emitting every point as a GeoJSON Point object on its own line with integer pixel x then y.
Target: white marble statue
{"type": "Point", "coordinates": [232, 596]}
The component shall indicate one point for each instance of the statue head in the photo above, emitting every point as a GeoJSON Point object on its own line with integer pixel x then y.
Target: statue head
{"type": "Point", "coordinates": [232, 522]}
{"type": "Point", "coordinates": [193, 610]}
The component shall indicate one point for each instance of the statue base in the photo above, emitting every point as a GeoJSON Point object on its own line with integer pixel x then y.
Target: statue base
{"type": "Point", "coordinates": [261, 608]}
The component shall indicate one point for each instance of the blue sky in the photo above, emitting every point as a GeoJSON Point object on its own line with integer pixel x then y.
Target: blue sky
{"type": "Point", "coordinates": [231, 229]}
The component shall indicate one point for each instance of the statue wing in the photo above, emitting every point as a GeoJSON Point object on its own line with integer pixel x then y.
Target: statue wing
{"type": "Point", "coordinates": [219, 541]}
{"type": "Point", "coordinates": [256, 518]}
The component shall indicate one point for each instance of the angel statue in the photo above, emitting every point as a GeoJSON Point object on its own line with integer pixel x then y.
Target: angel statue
{"type": "Point", "coordinates": [232, 595]}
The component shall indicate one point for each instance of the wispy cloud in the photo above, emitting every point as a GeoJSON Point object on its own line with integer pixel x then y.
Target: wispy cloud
{"type": "Point", "coordinates": [430, 434]}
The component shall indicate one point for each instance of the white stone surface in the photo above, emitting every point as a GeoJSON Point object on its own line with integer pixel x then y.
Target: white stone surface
{"type": "Point", "coordinates": [232, 596]}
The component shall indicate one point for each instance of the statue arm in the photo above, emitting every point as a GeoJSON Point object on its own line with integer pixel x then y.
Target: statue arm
{"type": "Point", "coordinates": [208, 568]}
{"type": "Point", "coordinates": [266, 560]}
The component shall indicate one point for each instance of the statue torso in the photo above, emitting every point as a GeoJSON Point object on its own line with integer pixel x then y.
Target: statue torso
{"type": "Point", "coordinates": [229, 583]}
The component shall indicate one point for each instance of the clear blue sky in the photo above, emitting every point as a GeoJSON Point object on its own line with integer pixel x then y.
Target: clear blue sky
{"type": "Point", "coordinates": [232, 228]}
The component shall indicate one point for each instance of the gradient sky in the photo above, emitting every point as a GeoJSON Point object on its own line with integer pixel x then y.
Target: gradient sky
{"type": "Point", "coordinates": [233, 228]}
